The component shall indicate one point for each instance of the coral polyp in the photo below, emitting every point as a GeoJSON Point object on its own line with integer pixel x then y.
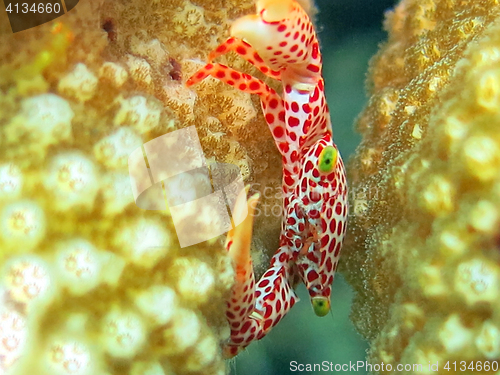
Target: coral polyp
{"type": "Point", "coordinates": [72, 180]}
{"type": "Point", "coordinates": [29, 282]}
{"type": "Point", "coordinates": [44, 120]}
{"type": "Point", "coordinates": [13, 336]}
{"type": "Point", "coordinates": [67, 357]}
{"type": "Point", "coordinates": [23, 225]}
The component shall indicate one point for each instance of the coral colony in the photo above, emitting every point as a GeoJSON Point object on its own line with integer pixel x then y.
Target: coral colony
{"type": "Point", "coordinates": [423, 244]}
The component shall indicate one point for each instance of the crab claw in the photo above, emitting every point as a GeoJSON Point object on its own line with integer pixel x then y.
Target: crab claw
{"type": "Point", "coordinates": [274, 10]}
{"type": "Point", "coordinates": [240, 237]}
{"type": "Point", "coordinates": [238, 245]}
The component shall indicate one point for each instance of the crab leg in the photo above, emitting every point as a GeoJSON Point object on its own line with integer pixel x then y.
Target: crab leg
{"type": "Point", "coordinates": [253, 310]}
{"type": "Point", "coordinates": [271, 102]}
{"type": "Point", "coordinates": [246, 51]}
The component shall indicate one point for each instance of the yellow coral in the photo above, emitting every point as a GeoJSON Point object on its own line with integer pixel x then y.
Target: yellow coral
{"type": "Point", "coordinates": [426, 231]}
{"type": "Point", "coordinates": [89, 282]}
{"type": "Point", "coordinates": [79, 84]}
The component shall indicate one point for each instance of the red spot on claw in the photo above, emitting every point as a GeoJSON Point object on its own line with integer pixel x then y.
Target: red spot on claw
{"type": "Point", "coordinates": [313, 68]}
{"type": "Point", "coordinates": [269, 118]}
{"type": "Point", "coordinates": [284, 147]}
{"type": "Point", "coordinates": [254, 86]}
{"type": "Point", "coordinates": [293, 121]}
{"type": "Point", "coordinates": [278, 132]}
{"type": "Point", "coordinates": [312, 275]}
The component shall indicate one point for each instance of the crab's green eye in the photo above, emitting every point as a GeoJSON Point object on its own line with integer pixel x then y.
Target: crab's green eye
{"type": "Point", "coordinates": [327, 159]}
{"type": "Point", "coordinates": [321, 305]}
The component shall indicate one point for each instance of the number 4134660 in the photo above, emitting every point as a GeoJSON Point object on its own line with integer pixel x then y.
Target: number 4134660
{"type": "Point", "coordinates": [471, 366]}
{"type": "Point", "coordinates": [34, 8]}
